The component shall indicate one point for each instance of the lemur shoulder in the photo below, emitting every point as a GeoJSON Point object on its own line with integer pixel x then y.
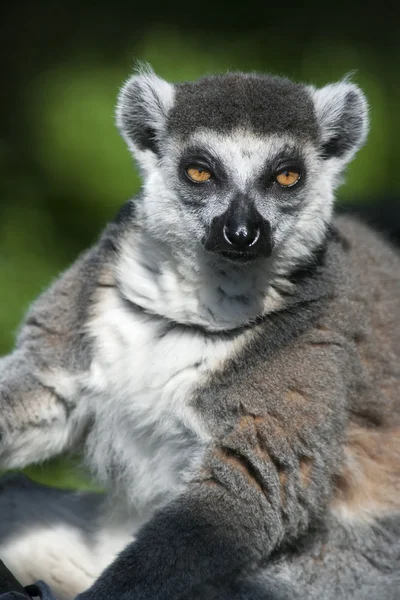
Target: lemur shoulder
{"type": "Point", "coordinates": [226, 357]}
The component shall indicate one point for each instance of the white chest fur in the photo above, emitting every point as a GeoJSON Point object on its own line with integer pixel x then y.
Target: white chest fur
{"type": "Point", "coordinates": [144, 373]}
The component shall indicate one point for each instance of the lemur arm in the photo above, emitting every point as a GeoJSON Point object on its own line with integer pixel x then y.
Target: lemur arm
{"type": "Point", "coordinates": [34, 417]}
{"type": "Point", "coordinates": [39, 388]}
{"type": "Point", "coordinates": [260, 485]}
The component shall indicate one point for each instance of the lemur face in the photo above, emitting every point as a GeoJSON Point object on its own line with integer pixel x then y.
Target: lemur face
{"type": "Point", "coordinates": [243, 191]}
{"type": "Point", "coordinates": [240, 166]}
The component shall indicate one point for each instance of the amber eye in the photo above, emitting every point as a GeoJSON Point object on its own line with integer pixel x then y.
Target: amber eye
{"type": "Point", "coordinates": [287, 178]}
{"type": "Point", "coordinates": [198, 174]}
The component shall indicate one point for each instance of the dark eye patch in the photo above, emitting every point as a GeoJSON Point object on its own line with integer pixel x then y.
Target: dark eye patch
{"type": "Point", "coordinates": [288, 159]}
{"type": "Point", "coordinates": [198, 155]}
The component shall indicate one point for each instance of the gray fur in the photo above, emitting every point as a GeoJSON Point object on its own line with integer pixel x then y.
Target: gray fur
{"type": "Point", "coordinates": [259, 103]}
{"type": "Point", "coordinates": [234, 411]}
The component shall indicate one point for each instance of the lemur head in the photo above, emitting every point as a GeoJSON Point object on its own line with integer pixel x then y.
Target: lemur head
{"type": "Point", "coordinates": [239, 173]}
{"type": "Point", "coordinates": [242, 165]}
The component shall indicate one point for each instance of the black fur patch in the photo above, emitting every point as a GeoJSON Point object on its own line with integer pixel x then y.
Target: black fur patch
{"type": "Point", "coordinates": [125, 214]}
{"type": "Point", "coordinates": [262, 103]}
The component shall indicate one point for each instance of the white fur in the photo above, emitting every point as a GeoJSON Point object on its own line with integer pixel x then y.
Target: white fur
{"type": "Point", "coordinates": [56, 554]}
{"type": "Point", "coordinates": [170, 284]}
{"type": "Point", "coordinates": [145, 434]}
{"type": "Point", "coordinates": [58, 545]}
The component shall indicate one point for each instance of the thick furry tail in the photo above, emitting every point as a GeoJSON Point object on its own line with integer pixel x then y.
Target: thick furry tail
{"type": "Point", "coordinates": [53, 535]}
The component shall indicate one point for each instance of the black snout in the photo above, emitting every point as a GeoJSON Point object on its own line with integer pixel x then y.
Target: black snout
{"type": "Point", "coordinates": [240, 233]}
{"type": "Point", "coordinates": [241, 236]}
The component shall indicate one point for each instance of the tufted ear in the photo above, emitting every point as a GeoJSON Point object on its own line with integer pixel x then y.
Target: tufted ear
{"type": "Point", "coordinates": [342, 114]}
{"type": "Point", "coordinates": [142, 110]}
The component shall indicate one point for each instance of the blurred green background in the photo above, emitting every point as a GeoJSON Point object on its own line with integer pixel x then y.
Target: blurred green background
{"type": "Point", "coordinates": [64, 171]}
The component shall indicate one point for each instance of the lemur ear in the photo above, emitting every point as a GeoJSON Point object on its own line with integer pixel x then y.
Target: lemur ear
{"type": "Point", "coordinates": [342, 113]}
{"type": "Point", "coordinates": [142, 109]}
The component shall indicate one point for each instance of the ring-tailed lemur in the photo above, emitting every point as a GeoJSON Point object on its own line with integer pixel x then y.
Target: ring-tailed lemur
{"type": "Point", "coordinates": [227, 356]}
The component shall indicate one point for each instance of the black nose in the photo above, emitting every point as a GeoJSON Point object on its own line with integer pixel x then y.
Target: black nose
{"type": "Point", "coordinates": [241, 236]}
{"type": "Point", "coordinates": [241, 233]}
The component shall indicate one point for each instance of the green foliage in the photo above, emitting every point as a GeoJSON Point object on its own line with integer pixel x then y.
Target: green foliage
{"type": "Point", "coordinates": [63, 472]}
